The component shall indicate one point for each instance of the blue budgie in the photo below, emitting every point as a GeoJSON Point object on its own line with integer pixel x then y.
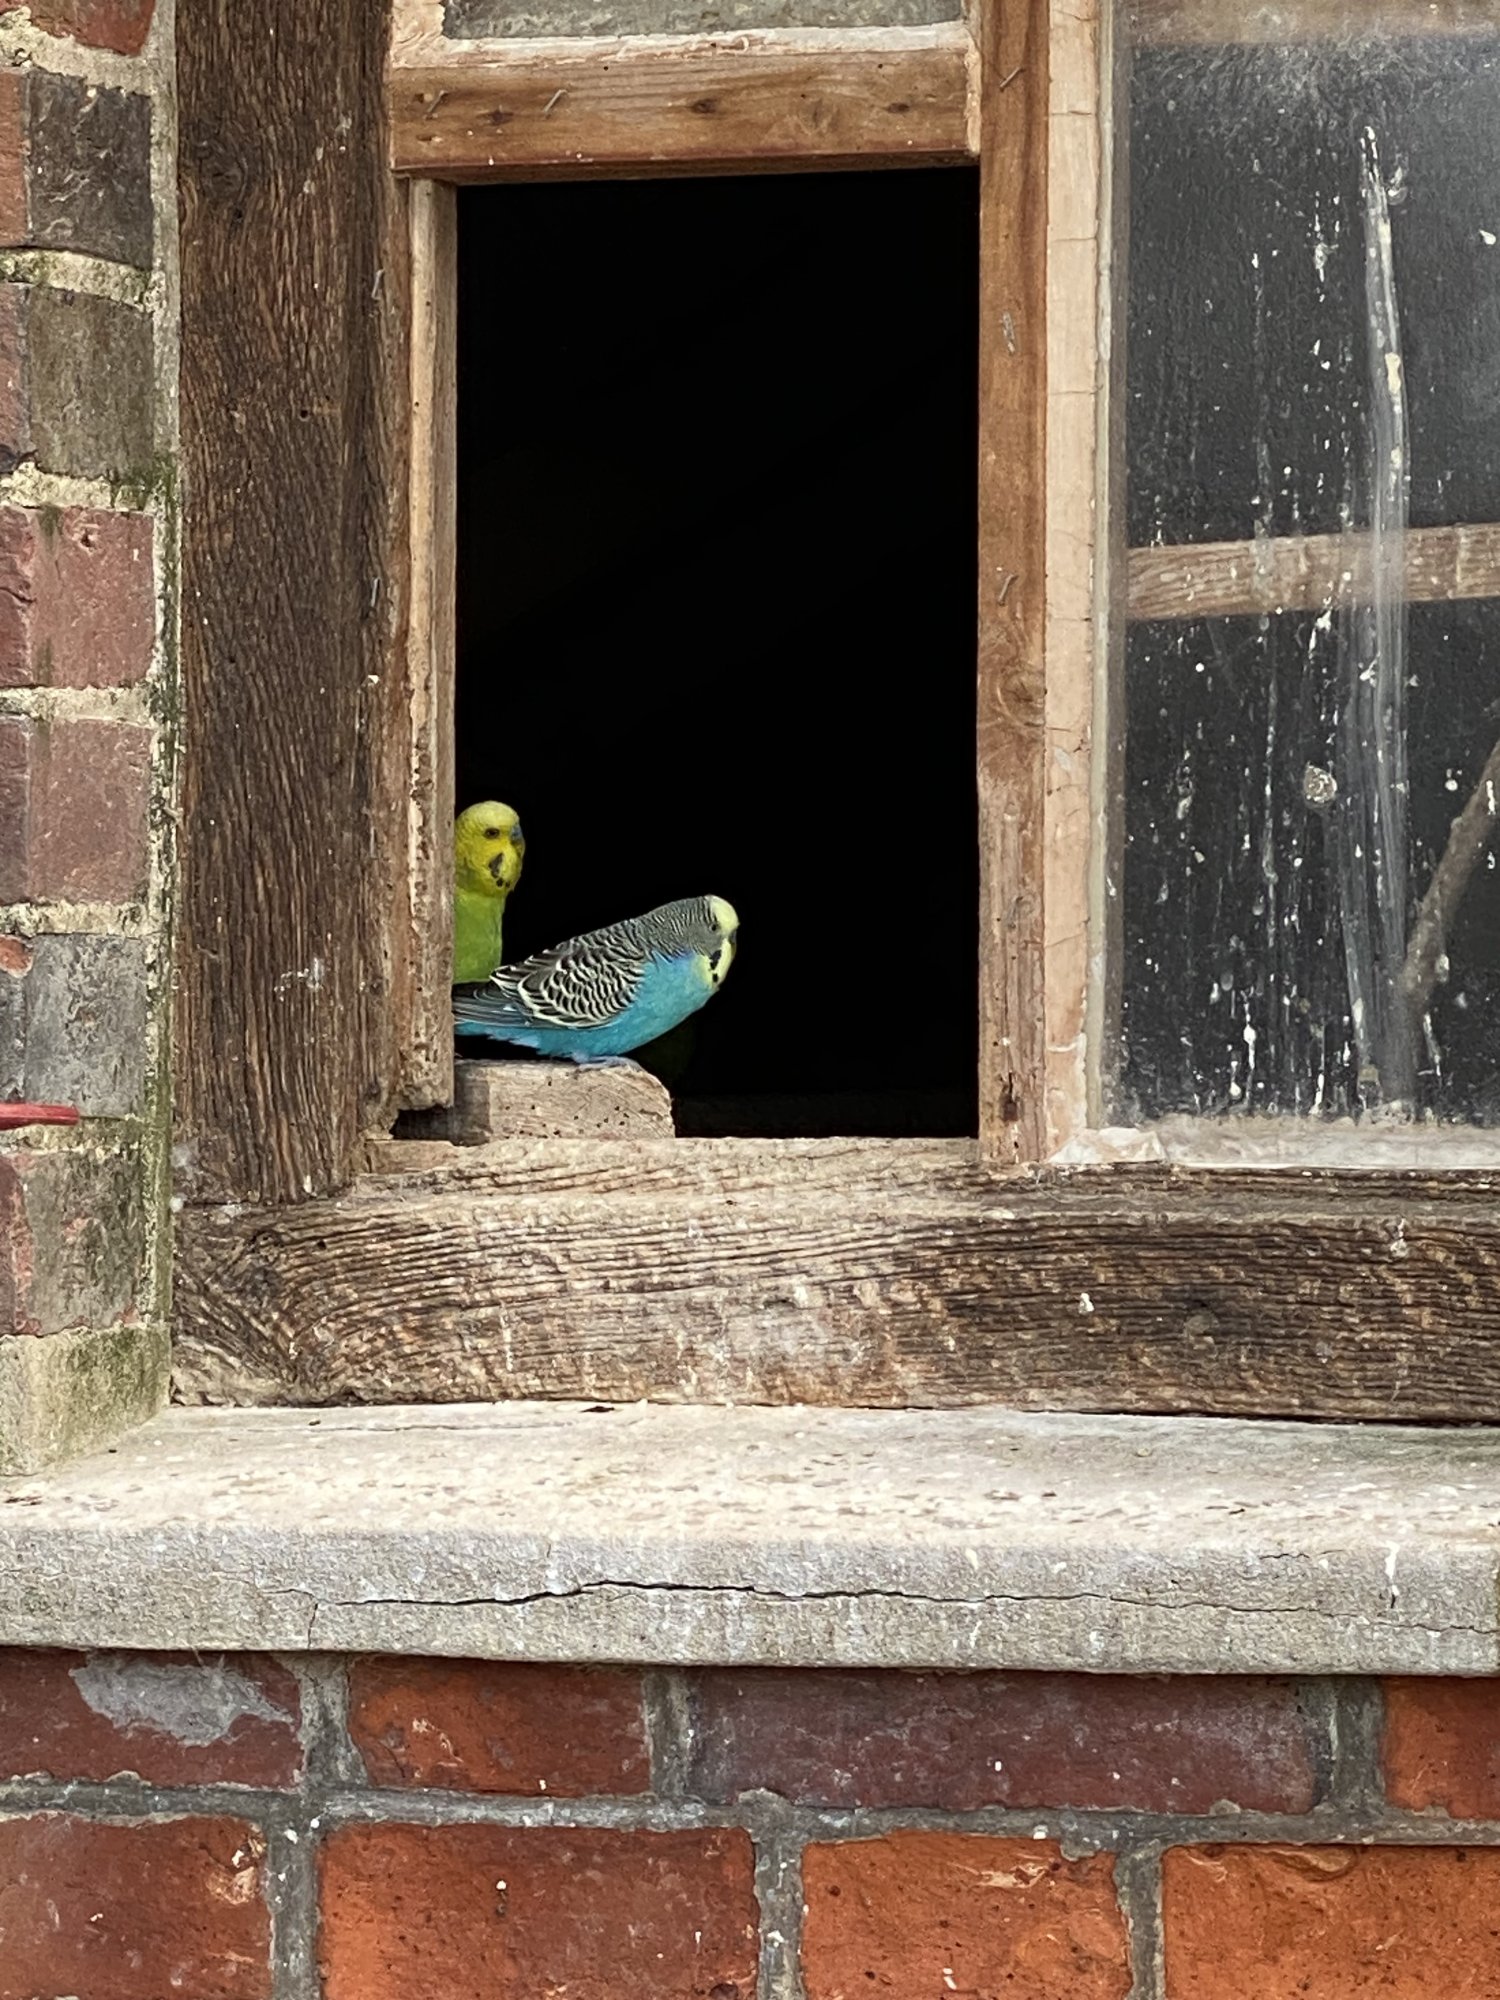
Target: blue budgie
{"type": "Point", "coordinates": [601, 995]}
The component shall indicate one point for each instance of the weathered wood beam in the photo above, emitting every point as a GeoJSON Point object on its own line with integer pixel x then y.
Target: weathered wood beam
{"type": "Point", "coordinates": [643, 106]}
{"type": "Point", "coordinates": [1015, 41]}
{"type": "Point", "coordinates": [295, 389]}
{"type": "Point", "coordinates": [421, 784]}
{"type": "Point", "coordinates": [862, 1272]}
{"type": "Point", "coordinates": [1212, 23]}
{"type": "Point", "coordinates": [1307, 573]}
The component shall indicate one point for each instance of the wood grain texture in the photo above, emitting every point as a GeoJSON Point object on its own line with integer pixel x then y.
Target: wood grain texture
{"type": "Point", "coordinates": [635, 107]}
{"type": "Point", "coordinates": [1307, 573]}
{"type": "Point", "coordinates": [294, 413]}
{"type": "Point", "coordinates": [1079, 111]}
{"type": "Point", "coordinates": [868, 1272]}
{"type": "Point", "coordinates": [1221, 22]}
{"type": "Point", "coordinates": [424, 788]}
{"type": "Point", "coordinates": [1014, 121]}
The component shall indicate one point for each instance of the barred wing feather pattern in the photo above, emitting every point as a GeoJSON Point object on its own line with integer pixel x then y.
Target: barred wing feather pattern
{"type": "Point", "coordinates": [580, 984]}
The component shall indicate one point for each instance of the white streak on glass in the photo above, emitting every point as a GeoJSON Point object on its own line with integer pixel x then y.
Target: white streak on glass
{"type": "Point", "coordinates": [1372, 724]}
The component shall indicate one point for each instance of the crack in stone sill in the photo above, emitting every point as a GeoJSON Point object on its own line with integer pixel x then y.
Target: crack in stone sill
{"type": "Point", "coordinates": [755, 1592]}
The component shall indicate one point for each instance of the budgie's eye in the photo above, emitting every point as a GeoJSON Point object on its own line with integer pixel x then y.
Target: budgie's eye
{"type": "Point", "coordinates": [493, 832]}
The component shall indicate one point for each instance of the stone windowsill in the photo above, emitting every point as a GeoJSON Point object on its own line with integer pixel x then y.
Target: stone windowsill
{"type": "Point", "coordinates": [971, 1538]}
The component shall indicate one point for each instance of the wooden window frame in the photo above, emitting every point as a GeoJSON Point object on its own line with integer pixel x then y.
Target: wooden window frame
{"type": "Point", "coordinates": [317, 1260]}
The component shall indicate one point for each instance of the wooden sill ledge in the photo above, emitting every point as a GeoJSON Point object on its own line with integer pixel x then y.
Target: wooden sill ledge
{"type": "Point", "coordinates": [685, 1535]}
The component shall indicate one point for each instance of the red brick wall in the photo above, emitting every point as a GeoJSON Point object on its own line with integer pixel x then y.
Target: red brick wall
{"type": "Point", "coordinates": [87, 623]}
{"type": "Point", "coordinates": [245, 1828]}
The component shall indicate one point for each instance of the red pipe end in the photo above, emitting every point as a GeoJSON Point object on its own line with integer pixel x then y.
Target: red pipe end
{"type": "Point", "coordinates": [14, 1115]}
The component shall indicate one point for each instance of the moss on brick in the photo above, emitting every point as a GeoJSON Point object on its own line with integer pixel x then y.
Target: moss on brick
{"type": "Point", "coordinates": [62, 1394]}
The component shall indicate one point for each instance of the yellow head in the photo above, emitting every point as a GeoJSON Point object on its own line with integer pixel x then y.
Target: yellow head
{"type": "Point", "coordinates": [488, 849]}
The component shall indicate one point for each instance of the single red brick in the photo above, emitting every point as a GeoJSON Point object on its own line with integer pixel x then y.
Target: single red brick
{"type": "Point", "coordinates": [961, 1741]}
{"type": "Point", "coordinates": [73, 1248]}
{"type": "Point", "coordinates": [469, 1725]}
{"type": "Point", "coordinates": [77, 597]}
{"type": "Point", "coordinates": [73, 1023]}
{"type": "Point", "coordinates": [88, 169]}
{"type": "Point", "coordinates": [1441, 1746]}
{"type": "Point", "coordinates": [169, 1719]}
{"type": "Point", "coordinates": [74, 808]}
{"type": "Point", "coordinates": [77, 383]}
{"type": "Point", "coordinates": [90, 820]}
{"type": "Point", "coordinates": [121, 25]}
{"type": "Point", "coordinates": [509, 1913]}
{"type": "Point", "coordinates": [1340, 1923]}
{"type": "Point", "coordinates": [928, 1915]}
{"type": "Point", "coordinates": [95, 585]}
{"type": "Point", "coordinates": [110, 1911]}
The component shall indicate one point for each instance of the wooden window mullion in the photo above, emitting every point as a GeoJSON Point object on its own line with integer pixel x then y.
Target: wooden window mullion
{"type": "Point", "coordinates": [1013, 164]}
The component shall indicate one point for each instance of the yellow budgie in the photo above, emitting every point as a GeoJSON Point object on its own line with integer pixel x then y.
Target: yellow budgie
{"type": "Point", "coordinates": [488, 849]}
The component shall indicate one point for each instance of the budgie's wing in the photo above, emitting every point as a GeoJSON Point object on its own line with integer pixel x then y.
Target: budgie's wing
{"type": "Point", "coordinates": [584, 983]}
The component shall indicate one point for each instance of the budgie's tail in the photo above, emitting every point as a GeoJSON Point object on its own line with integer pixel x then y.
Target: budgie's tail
{"type": "Point", "coordinates": [491, 1009]}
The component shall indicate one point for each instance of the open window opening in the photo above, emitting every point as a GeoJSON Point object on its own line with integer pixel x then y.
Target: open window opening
{"type": "Point", "coordinates": [716, 625]}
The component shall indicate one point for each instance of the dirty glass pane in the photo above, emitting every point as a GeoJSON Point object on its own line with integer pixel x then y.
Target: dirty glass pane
{"type": "Point", "coordinates": [1309, 892]}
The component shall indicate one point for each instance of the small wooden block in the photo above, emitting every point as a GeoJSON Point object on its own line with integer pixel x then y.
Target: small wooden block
{"type": "Point", "coordinates": [546, 1100]}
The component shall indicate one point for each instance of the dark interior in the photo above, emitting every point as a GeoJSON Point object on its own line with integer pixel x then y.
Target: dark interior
{"type": "Point", "coordinates": [716, 595]}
